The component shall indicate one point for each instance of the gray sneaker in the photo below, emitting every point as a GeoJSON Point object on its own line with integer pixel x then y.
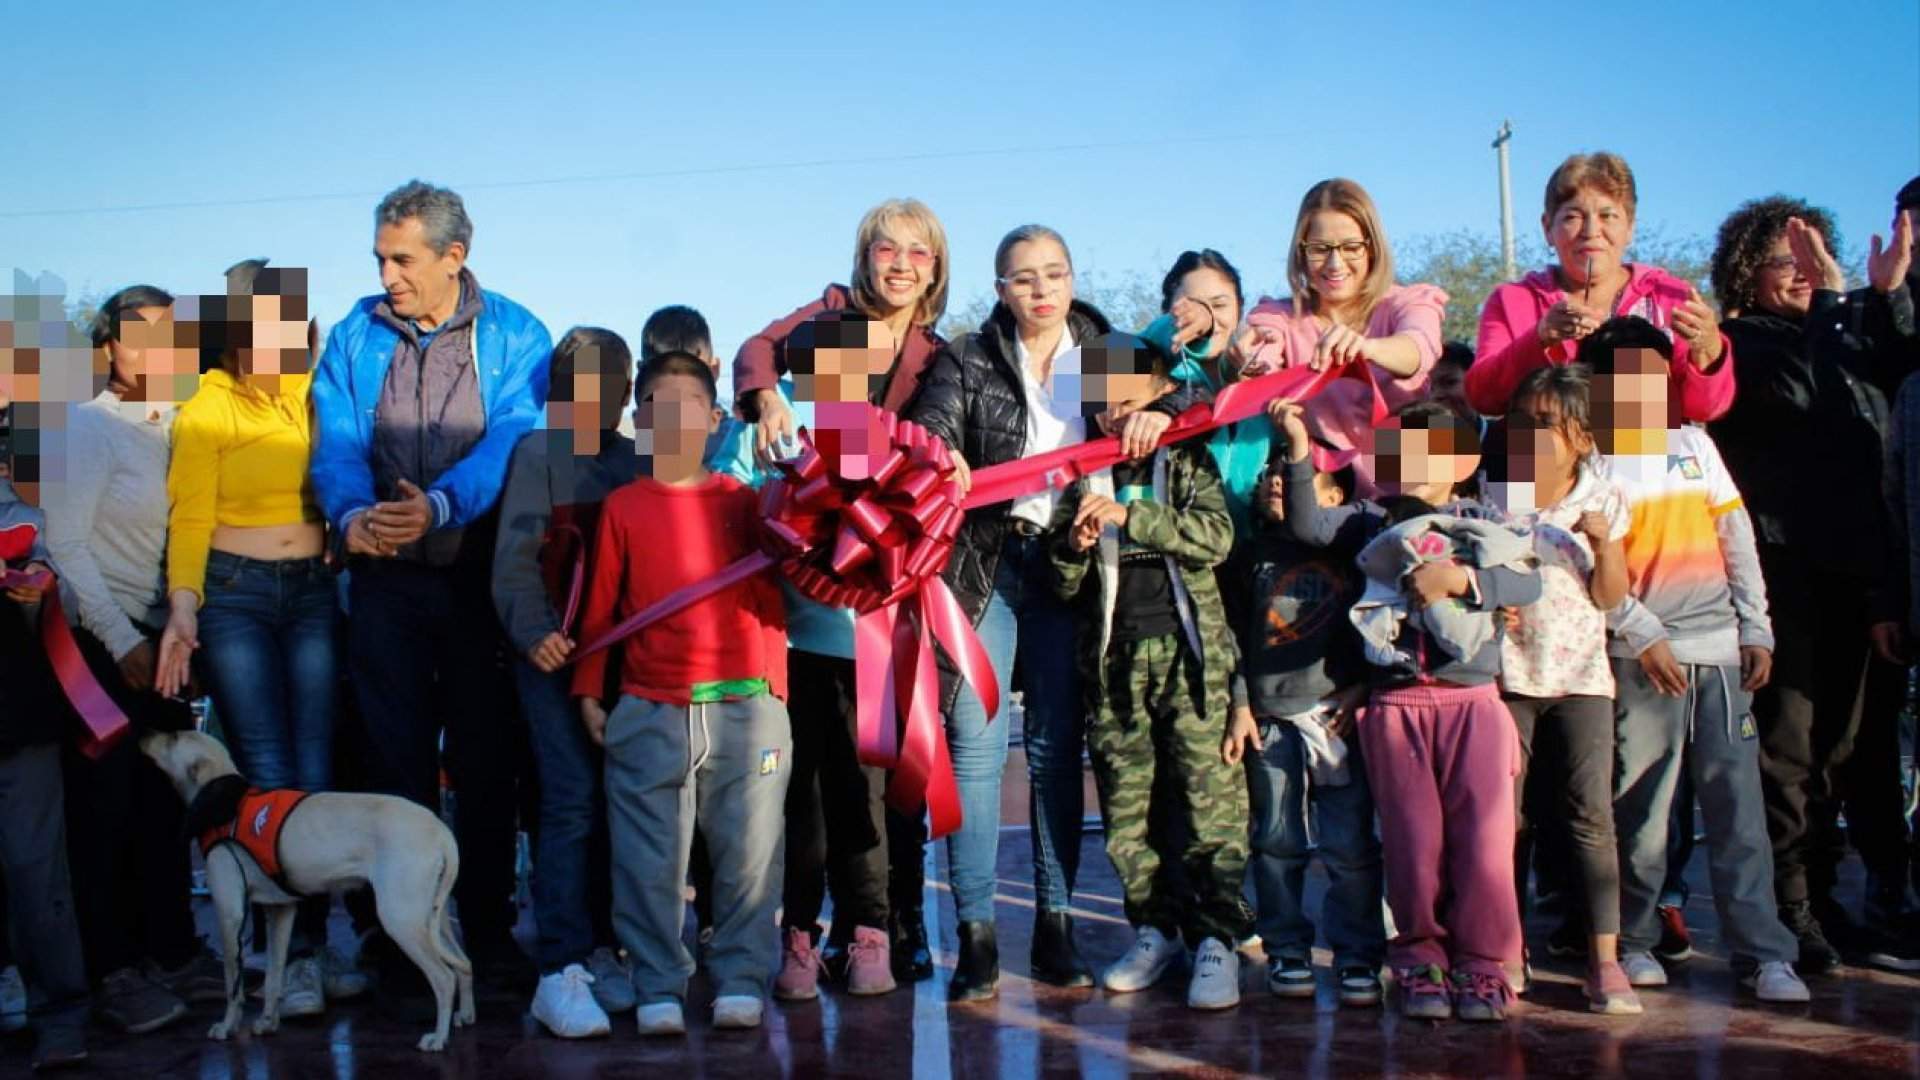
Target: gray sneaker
{"type": "Point", "coordinates": [340, 975]}
{"type": "Point", "coordinates": [303, 994]}
{"type": "Point", "coordinates": [612, 981]}
{"type": "Point", "coordinates": [200, 981]}
{"type": "Point", "coordinates": [136, 1004]}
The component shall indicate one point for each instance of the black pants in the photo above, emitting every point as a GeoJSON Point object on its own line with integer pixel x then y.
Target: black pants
{"type": "Point", "coordinates": [428, 656]}
{"type": "Point", "coordinates": [33, 866]}
{"type": "Point", "coordinates": [1813, 718]}
{"type": "Point", "coordinates": [836, 817]}
{"type": "Point", "coordinates": [1567, 747]}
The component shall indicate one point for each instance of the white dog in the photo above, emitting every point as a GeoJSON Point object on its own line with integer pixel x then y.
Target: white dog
{"type": "Point", "coordinates": [334, 841]}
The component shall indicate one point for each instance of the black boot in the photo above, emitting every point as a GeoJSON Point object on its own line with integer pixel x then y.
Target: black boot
{"type": "Point", "coordinates": [1817, 956]}
{"type": "Point", "coordinates": [1056, 959]}
{"type": "Point", "coordinates": [912, 959]}
{"type": "Point", "coordinates": [977, 975]}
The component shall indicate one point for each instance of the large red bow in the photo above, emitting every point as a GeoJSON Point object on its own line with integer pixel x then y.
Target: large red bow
{"type": "Point", "coordinates": [865, 519]}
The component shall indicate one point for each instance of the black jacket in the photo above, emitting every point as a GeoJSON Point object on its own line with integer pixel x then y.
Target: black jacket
{"type": "Point", "coordinates": [972, 396]}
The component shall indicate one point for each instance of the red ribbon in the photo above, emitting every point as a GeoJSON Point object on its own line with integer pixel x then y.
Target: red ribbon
{"type": "Point", "coordinates": [864, 518]}
{"type": "Point", "coordinates": [104, 722]}
{"type": "Point", "coordinates": [1058, 468]}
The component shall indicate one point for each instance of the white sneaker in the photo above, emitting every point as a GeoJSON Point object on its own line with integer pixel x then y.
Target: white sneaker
{"type": "Point", "coordinates": [1142, 965]}
{"type": "Point", "coordinates": [302, 994]}
{"type": "Point", "coordinates": [564, 1003]}
{"type": "Point", "coordinates": [736, 1012]}
{"type": "Point", "coordinates": [13, 1000]}
{"type": "Point", "coordinates": [1643, 970]}
{"type": "Point", "coordinates": [1776, 981]}
{"type": "Point", "coordinates": [1216, 977]}
{"type": "Point", "coordinates": [663, 1018]}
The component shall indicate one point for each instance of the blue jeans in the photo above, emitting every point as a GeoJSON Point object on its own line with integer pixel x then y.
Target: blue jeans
{"type": "Point", "coordinates": [572, 892]}
{"type": "Point", "coordinates": [1285, 835]}
{"type": "Point", "coordinates": [267, 655]}
{"type": "Point", "coordinates": [1024, 618]}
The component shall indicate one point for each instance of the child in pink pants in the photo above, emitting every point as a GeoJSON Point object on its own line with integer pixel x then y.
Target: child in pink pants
{"type": "Point", "coordinates": [1440, 747]}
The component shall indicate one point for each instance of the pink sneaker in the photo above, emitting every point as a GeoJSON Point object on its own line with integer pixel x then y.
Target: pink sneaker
{"type": "Point", "coordinates": [869, 962]}
{"type": "Point", "coordinates": [1609, 992]}
{"type": "Point", "coordinates": [799, 978]}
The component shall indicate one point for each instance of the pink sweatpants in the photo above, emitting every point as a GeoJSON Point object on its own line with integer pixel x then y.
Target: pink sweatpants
{"type": "Point", "coordinates": [1441, 761]}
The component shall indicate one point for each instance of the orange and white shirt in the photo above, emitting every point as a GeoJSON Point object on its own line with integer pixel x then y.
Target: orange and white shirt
{"type": "Point", "coordinates": [1693, 571]}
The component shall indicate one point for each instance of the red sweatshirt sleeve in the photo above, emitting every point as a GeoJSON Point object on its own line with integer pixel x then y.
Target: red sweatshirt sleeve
{"type": "Point", "coordinates": [755, 366]}
{"type": "Point", "coordinates": [1505, 353]}
{"type": "Point", "coordinates": [606, 575]}
{"type": "Point", "coordinates": [1703, 395]}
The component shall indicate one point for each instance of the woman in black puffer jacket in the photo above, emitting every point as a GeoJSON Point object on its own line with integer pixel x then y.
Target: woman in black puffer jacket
{"type": "Point", "coordinates": [994, 397]}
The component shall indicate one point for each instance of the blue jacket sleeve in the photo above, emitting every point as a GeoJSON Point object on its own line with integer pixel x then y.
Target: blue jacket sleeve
{"type": "Point", "coordinates": [342, 476]}
{"type": "Point", "coordinates": [472, 487]}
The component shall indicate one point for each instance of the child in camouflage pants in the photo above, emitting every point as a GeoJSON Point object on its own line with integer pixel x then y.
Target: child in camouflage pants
{"type": "Point", "coordinates": [1156, 653]}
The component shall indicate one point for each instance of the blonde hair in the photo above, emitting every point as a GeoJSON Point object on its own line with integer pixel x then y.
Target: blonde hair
{"type": "Point", "coordinates": [1603, 171]}
{"type": "Point", "coordinates": [1349, 198]}
{"type": "Point", "coordinates": [933, 303]}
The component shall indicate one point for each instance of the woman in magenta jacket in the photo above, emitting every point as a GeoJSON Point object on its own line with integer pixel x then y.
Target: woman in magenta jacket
{"type": "Point", "coordinates": [1541, 318]}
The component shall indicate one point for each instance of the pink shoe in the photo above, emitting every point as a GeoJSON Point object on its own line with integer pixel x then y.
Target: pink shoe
{"type": "Point", "coordinates": [1609, 992]}
{"type": "Point", "coordinates": [799, 978]}
{"type": "Point", "coordinates": [869, 962]}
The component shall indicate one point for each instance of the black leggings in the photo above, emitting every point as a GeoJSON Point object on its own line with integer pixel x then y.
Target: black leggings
{"type": "Point", "coordinates": [1572, 740]}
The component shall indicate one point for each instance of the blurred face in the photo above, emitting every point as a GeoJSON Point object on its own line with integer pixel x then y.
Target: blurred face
{"type": "Point", "coordinates": [1415, 461]}
{"type": "Point", "coordinates": [1037, 285]}
{"type": "Point", "coordinates": [1338, 256]}
{"type": "Point", "coordinates": [1213, 290]}
{"type": "Point", "coordinates": [281, 341]}
{"type": "Point", "coordinates": [1778, 284]}
{"type": "Point", "coordinates": [1630, 406]}
{"type": "Point", "coordinates": [671, 425]}
{"type": "Point", "coordinates": [419, 283]}
{"type": "Point", "coordinates": [1589, 230]}
{"type": "Point", "coordinates": [900, 265]}
{"type": "Point", "coordinates": [1543, 456]}
{"type": "Point", "coordinates": [849, 372]}
{"type": "Point", "coordinates": [586, 406]}
{"type": "Point", "coordinates": [141, 329]}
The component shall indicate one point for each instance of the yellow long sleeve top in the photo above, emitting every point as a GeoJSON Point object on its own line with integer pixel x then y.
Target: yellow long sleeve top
{"type": "Point", "coordinates": [239, 458]}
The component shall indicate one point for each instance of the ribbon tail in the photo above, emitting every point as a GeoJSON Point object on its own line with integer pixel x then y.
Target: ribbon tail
{"type": "Point", "coordinates": [104, 722]}
{"type": "Point", "coordinates": [952, 629]}
{"type": "Point", "coordinates": [924, 776]}
{"type": "Point", "coordinates": [876, 653]}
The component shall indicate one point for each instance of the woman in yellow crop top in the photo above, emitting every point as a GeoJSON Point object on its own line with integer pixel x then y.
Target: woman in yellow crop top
{"type": "Point", "coordinates": [252, 603]}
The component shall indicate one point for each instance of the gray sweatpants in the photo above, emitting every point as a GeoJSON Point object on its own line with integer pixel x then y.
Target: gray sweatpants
{"type": "Point", "coordinates": [720, 767]}
{"type": "Point", "coordinates": [1710, 727]}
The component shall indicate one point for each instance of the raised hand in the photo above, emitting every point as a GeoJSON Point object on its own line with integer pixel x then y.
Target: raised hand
{"type": "Point", "coordinates": [1811, 257]}
{"type": "Point", "coordinates": [1887, 264]}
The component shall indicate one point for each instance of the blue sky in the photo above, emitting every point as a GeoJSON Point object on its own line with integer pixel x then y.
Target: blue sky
{"type": "Point", "coordinates": [1136, 129]}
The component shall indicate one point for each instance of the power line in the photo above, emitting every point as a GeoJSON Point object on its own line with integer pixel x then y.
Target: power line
{"type": "Point", "coordinates": [662, 174]}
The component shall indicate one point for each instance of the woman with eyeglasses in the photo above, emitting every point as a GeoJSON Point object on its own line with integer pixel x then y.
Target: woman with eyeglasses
{"type": "Point", "coordinates": [1540, 319]}
{"type": "Point", "coordinates": [1345, 307]}
{"type": "Point", "coordinates": [1810, 378]}
{"type": "Point", "coordinates": [900, 274]}
{"type": "Point", "coordinates": [995, 396]}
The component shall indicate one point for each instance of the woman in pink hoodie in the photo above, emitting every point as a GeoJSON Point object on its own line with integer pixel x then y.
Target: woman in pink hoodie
{"type": "Point", "coordinates": [1540, 319]}
{"type": "Point", "coordinates": [1346, 307]}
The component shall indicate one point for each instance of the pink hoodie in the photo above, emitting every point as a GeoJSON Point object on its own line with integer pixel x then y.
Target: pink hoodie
{"type": "Point", "coordinates": [1342, 415]}
{"type": "Point", "coordinates": [1510, 349]}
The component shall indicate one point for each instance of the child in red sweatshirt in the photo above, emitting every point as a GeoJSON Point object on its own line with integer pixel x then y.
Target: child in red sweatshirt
{"type": "Point", "coordinates": [699, 736]}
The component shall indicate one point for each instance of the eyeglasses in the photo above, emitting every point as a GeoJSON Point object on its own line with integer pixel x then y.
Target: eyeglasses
{"type": "Point", "coordinates": [1030, 280]}
{"type": "Point", "coordinates": [883, 252]}
{"type": "Point", "coordinates": [1779, 264]}
{"type": "Point", "coordinates": [1350, 250]}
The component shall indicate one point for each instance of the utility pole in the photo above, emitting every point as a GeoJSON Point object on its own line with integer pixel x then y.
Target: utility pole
{"type": "Point", "coordinates": [1500, 141]}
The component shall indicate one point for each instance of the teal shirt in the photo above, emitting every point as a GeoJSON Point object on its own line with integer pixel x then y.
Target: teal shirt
{"type": "Point", "coordinates": [1240, 449]}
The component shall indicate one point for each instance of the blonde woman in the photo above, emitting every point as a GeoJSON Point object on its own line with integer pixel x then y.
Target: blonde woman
{"type": "Point", "coordinates": [1346, 307]}
{"type": "Point", "coordinates": [900, 272]}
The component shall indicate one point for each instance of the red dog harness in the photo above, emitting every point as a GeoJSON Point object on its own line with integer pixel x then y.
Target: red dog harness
{"type": "Point", "coordinates": [256, 828]}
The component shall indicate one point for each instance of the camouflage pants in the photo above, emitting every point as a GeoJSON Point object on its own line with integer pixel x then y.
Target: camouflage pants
{"type": "Point", "coordinates": [1158, 713]}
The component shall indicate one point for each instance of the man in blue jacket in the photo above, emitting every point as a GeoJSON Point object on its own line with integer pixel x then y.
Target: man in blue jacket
{"type": "Point", "coordinates": [419, 398]}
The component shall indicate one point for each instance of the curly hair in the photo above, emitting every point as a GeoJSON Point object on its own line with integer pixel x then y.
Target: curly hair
{"type": "Point", "coordinates": [1745, 238]}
